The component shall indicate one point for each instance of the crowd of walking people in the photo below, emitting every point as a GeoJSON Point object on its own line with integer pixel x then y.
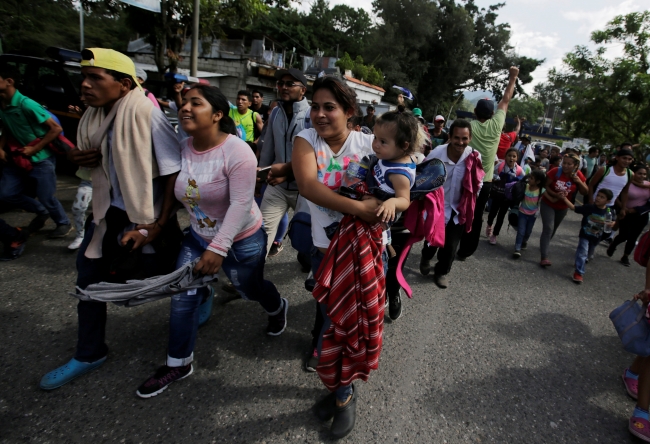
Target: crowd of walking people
{"type": "Point", "coordinates": [362, 190]}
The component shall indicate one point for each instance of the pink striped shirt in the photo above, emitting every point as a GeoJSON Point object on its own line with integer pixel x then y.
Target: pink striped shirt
{"type": "Point", "coordinates": [217, 187]}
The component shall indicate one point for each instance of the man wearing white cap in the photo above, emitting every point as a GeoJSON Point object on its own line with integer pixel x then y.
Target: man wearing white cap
{"type": "Point", "coordinates": [438, 135]}
{"type": "Point", "coordinates": [141, 75]}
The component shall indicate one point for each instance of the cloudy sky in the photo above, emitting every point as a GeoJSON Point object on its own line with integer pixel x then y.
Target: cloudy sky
{"type": "Point", "coordinates": [547, 29]}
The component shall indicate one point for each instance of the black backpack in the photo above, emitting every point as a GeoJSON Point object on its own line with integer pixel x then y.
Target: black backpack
{"type": "Point", "coordinates": [515, 191]}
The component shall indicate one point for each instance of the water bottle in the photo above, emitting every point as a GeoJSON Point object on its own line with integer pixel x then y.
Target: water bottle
{"type": "Point", "coordinates": [608, 220]}
{"type": "Point", "coordinates": [354, 174]}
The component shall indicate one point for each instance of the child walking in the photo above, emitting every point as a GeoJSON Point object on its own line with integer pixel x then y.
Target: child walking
{"type": "Point", "coordinates": [506, 172]}
{"type": "Point", "coordinates": [528, 209]}
{"type": "Point", "coordinates": [592, 228]}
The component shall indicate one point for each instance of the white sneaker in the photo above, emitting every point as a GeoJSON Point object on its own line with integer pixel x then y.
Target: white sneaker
{"type": "Point", "coordinates": [76, 243]}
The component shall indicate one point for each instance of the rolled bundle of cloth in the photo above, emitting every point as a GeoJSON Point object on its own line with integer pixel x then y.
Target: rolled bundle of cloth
{"type": "Point", "coordinates": [351, 283]}
{"type": "Point", "coordinates": [138, 292]}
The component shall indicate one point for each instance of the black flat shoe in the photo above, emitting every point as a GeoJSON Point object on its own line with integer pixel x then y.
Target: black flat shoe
{"type": "Point", "coordinates": [345, 417]}
{"type": "Point", "coordinates": [325, 408]}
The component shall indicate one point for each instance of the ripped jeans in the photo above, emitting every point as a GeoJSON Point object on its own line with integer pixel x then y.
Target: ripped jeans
{"type": "Point", "coordinates": [244, 266]}
{"type": "Point", "coordinates": [80, 205]}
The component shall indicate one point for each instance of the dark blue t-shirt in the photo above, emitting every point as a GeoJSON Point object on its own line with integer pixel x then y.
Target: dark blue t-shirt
{"type": "Point", "coordinates": [593, 221]}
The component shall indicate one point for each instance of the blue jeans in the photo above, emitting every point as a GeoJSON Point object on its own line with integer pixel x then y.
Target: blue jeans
{"type": "Point", "coordinates": [244, 266]}
{"type": "Point", "coordinates": [12, 184]}
{"type": "Point", "coordinates": [323, 322]}
{"type": "Point", "coordinates": [284, 222]}
{"type": "Point", "coordinates": [585, 249]}
{"type": "Point", "coordinates": [524, 228]}
{"type": "Point", "coordinates": [7, 233]}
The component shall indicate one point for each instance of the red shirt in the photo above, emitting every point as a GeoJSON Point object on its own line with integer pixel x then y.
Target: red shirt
{"type": "Point", "coordinates": [507, 140]}
{"type": "Point", "coordinates": [561, 183]}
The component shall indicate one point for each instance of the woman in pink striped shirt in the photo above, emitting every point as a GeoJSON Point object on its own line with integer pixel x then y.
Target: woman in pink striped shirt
{"type": "Point", "coordinates": [216, 185]}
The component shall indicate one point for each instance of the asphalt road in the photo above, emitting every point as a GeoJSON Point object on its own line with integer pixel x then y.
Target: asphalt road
{"type": "Point", "coordinates": [509, 353]}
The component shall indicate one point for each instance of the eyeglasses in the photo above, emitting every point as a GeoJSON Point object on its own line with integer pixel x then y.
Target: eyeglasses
{"type": "Point", "coordinates": [287, 83]}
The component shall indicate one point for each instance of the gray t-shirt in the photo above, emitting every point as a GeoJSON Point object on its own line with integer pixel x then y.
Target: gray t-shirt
{"type": "Point", "coordinates": [166, 153]}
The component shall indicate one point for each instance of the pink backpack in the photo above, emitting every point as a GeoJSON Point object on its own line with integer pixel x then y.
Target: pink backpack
{"type": "Point", "coordinates": [425, 219]}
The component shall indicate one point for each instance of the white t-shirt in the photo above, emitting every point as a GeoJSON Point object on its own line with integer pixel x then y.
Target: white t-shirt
{"type": "Point", "coordinates": [331, 168]}
{"type": "Point", "coordinates": [166, 153]}
{"type": "Point", "coordinates": [453, 185]}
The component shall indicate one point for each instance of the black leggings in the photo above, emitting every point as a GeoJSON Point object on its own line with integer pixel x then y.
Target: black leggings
{"type": "Point", "coordinates": [630, 228]}
{"type": "Point", "coordinates": [499, 209]}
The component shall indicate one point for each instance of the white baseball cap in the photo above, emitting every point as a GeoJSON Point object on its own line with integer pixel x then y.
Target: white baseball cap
{"type": "Point", "coordinates": [439, 117]}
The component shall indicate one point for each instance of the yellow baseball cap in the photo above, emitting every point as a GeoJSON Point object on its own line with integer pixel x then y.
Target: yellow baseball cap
{"type": "Point", "coordinates": [109, 59]}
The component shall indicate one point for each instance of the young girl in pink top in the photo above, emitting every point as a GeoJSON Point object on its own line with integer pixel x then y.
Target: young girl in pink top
{"type": "Point", "coordinates": [216, 185]}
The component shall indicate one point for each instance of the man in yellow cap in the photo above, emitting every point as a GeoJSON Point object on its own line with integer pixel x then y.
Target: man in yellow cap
{"type": "Point", "coordinates": [130, 151]}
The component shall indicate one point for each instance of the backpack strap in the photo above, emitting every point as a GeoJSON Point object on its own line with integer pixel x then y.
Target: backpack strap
{"type": "Point", "coordinates": [253, 113]}
{"type": "Point", "coordinates": [607, 168]}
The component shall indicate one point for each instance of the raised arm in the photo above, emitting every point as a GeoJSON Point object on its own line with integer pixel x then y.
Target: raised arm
{"type": "Point", "coordinates": [510, 89]}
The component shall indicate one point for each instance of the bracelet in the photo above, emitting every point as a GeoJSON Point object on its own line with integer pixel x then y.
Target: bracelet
{"type": "Point", "coordinates": [143, 232]}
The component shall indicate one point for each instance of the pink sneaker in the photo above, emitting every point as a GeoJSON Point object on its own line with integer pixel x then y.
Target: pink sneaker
{"type": "Point", "coordinates": [492, 240]}
{"type": "Point", "coordinates": [631, 385]}
{"type": "Point", "coordinates": [640, 428]}
{"type": "Point", "coordinates": [488, 230]}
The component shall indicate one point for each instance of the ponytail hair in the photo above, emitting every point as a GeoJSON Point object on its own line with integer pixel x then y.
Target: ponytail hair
{"type": "Point", "coordinates": [218, 102]}
{"type": "Point", "coordinates": [539, 177]}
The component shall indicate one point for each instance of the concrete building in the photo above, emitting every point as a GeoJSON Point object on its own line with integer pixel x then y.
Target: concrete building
{"type": "Point", "coordinates": [250, 61]}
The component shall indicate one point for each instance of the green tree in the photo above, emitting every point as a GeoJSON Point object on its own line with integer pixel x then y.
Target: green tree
{"type": "Point", "coordinates": [466, 105]}
{"type": "Point", "coordinates": [360, 70]}
{"type": "Point", "coordinates": [331, 30]}
{"type": "Point", "coordinates": [345, 63]}
{"type": "Point", "coordinates": [526, 107]}
{"type": "Point", "coordinates": [437, 48]}
{"type": "Point", "coordinates": [169, 30]}
{"type": "Point", "coordinates": [604, 100]}
{"type": "Point", "coordinates": [30, 30]}
{"type": "Point", "coordinates": [375, 76]}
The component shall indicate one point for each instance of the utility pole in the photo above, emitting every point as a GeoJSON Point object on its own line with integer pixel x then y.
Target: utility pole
{"type": "Point", "coordinates": [81, 26]}
{"type": "Point", "coordinates": [163, 44]}
{"type": "Point", "coordinates": [194, 59]}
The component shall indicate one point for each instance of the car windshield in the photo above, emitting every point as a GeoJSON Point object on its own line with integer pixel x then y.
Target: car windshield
{"type": "Point", "coordinates": [74, 73]}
